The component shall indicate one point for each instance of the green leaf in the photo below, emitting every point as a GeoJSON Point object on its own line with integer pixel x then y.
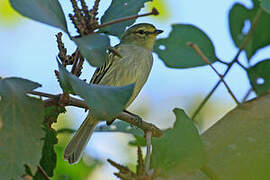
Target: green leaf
{"type": "Point", "coordinates": [21, 120]}
{"type": "Point", "coordinates": [106, 102]}
{"type": "Point", "coordinates": [93, 47]}
{"type": "Point", "coordinates": [46, 11]}
{"type": "Point", "coordinates": [52, 112]}
{"type": "Point", "coordinates": [238, 145]}
{"type": "Point", "coordinates": [119, 9]}
{"type": "Point", "coordinates": [48, 159]}
{"type": "Point", "coordinates": [259, 76]}
{"type": "Point", "coordinates": [120, 126]}
{"type": "Point", "coordinates": [175, 52]}
{"type": "Point", "coordinates": [238, 16]}
{"type": "Point", "coordinates": [78, 171]}
{"type": "Point", "coordinates": [180, 149]}
{"type": "Point", "coordinates": [266, 5]}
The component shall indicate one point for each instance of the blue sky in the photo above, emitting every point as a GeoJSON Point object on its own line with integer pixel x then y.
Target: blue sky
{"type": "Point", "coordinates": [29, 49]}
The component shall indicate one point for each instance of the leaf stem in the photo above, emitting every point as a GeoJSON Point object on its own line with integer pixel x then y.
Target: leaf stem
{"type": "Point", "coordinates": [153, 12]}
{"type": "Point", "coordinates": [235, 59]}
{"type": "Point", "coordinates": [205, 59]}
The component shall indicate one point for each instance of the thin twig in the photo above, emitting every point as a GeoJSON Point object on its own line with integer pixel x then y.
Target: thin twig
{"type": "Point", "coordinates": [54, 101]}
{"type": "Point", "coordinates": [148, 151]}
{"type": "Point", "coordinates": [235, 59]}
{"type": "Point", "coordinates": [154, 12]}
{"type": "Point", "coordinates": [241, 65]}
{"type": "Point", "coordinates": [42, 94]}
{"type": "Point", "coordinates": [205, 59]}
{"type": "Point", "coordinates": [41, 170]}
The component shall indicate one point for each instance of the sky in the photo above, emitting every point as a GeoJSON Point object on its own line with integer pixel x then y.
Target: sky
{"type": "Point", "coordinates": [28, 50]}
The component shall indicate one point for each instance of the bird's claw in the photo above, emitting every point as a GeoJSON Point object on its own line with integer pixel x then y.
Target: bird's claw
{"type": "Point", "coordinates": [138, 119]}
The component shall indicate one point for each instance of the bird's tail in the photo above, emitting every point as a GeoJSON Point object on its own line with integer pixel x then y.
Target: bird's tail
{"type": "Point", "coordinates": [75, 147]}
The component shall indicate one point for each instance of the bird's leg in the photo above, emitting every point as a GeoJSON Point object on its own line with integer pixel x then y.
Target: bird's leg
{"type": "Point", "coordinates": [138, 118]}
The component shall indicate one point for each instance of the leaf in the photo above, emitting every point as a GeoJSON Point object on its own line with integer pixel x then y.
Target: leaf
{"type": "Point", "coordinates": [119, 9]}
{"type": "Point", "coordinates": [180, 148]}
{"type": "Point", "coordinates": [175, 52]}
{"type": "Point", "coordinates": [240, 17]}
{"type": "Point", "coordinates": [78, 171]}
{"type": "Point", "coordinates": [266, 5]}
{"type": "Point", "coordinates": [93, 47]}
{"type": "Point", "coordinates": [48, 159]}
{"type": "Point", "coordinates": [120, 126]}
{"type": "Point", "coordinates": [51, 114]}
{"type": "Point", "coordinates": [259, 76]}
{"type": "Point", "coordinates": [46, 11]}
{"type": "Point", "coordinates": [106, 102]}
{"type": "Point", "coordinates": [21, 118]}
{"type": "Point", "coordinates": [238, 145]}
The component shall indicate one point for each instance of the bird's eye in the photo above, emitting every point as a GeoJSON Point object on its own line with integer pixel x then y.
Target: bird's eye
{"type": "Point", "coordinates": [140, 31]}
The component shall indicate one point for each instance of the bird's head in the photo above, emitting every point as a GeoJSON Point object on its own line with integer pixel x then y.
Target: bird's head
{"type": "Point", "coordinates": [143, 35]}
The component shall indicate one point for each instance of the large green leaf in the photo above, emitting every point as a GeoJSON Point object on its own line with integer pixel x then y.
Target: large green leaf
{"type": "Point", "coordinates": [259, 76]}
{"type": "Point", "coordinates": [238, 145]}
{"type": "Point", "coordinates": [93, 47]}
{"type": "Point", "coordinates": [21, 131]}
{"type": "Point", "coordinates": [120, 126]}
{"type": "Point", "coordinates": [266, 5]}
{"type": "Point", "coordinates": [46, 11]}
{"type": "Point", "coordinates": [175, 52]}
{"type": "Point", "coordinates": [106, 102]}
{"type": "Point", "coordinates": [239, 16]}
{"type": "Point", "coordinates": [119, 9]}
{"type": "Point", "coordinates": [180, 149]}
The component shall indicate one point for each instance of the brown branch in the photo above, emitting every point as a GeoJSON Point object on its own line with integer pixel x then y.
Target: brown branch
{"type": "Point", "coordinates": [154, 12]}
{"type": "Point", "coordinates": [148, 151]}
{"type": "Point", "coordinates": [235, 59]}
{"type": "Point", "coordinates": [41, 170]}
{"type": "Point", "coordinates": [205, 59]}
{"type": "Point", "coordinates": [55, 100]}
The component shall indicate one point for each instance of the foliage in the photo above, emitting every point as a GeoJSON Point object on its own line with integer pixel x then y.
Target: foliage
{"type": "Point", "coordinates": [237, 145]}
{"type": "Point", "coordinates": [225, 151]}
{"type": "Point", "coordinates": [99, 98]}
{"type": "Point", "coordinates": [186, 150]}
{"type": "Point", "coordinates": [21, 117]}
{"type": "Point", "coordinates": [115, 11]}
{"type": "Point", "coordinates": [174, 50]}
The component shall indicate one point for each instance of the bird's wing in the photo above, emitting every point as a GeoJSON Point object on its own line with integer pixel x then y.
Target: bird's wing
{"type": "Point", "coordinates": [99, 73]}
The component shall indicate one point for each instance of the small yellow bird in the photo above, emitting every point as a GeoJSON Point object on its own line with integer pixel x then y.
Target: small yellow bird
{"type": "Point", "coordinates": [134, 66]}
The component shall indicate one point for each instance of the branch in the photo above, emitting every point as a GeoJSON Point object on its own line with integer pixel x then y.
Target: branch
{"type": "Point", "coordinates": [41, 170]}
{"type": "Point", "coordinates": [56, 100]}
{"type": "Point", "coordinates": [205, 59]}
{"type": "Point", "coordinates": [154, 12]}
{"type": "Point", "coordinates": [235, 59]}
{"type": "Point", "coordinates": [148, 151]}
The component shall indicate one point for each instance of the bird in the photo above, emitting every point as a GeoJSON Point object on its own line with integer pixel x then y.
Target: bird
{"type": "Point", "coordinates": [132, 65]}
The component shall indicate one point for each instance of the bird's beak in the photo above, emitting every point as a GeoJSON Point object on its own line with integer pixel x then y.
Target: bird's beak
{"type": "Point", "coordinates": [157, 31]}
